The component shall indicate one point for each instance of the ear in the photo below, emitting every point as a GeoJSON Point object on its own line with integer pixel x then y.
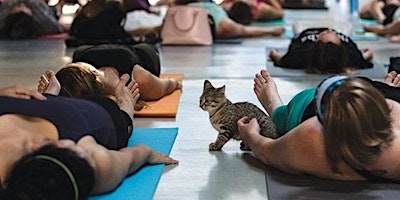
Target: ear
{"type": "Point", "coordinates": [222, 89]}
{"type": "Point", "coordinates": [207, 84]}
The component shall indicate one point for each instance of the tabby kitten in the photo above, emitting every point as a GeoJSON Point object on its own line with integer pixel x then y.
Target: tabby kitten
{"type": "Point", "coordinates": [224, 114]}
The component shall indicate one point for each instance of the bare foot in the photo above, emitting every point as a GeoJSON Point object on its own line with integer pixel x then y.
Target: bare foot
{"type": "Point", "coordinates": [392, 79]}
{"type": "Point", "coordinates": [266, 91]}
{"type": "Point", "coordinates": [48, 83]}
{"type": "Point", "coordinates": [176, 83]}
{"type": "Point", "coordinates": [126, 96]}
{"type": "Point", "coordinates": [368, 54]}
{"type": "Point", "coordinates": [133, 88]}
{"type": "Point", "coordinates": [172, 85]}
{"type": "Point", "coordinates": [274, 55]}
{"type": "Point", "coordinates": [394, 38]}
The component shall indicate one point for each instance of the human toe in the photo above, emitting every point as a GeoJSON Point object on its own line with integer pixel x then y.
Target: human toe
{"type": "Point", "coordinates": [396, 80]}
{"type": "Point", "coordinates": [390, 77]}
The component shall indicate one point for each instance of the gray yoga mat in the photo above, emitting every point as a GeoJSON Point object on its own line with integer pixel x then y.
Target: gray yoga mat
{"type": "Point", "coordinates": [281, 186]}
{"type": "Point", "coordinates": [378, 71]}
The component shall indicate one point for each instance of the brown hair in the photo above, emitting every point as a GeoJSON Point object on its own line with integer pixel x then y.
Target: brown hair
{"type": "Point", "coordinates": [357, 124]}
{"type": "Point", "coordinates": [76, 81]}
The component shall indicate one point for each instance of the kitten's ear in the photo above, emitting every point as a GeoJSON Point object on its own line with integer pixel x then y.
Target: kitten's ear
{"type": "Point", "coordinates": [207, 84]}
{"type": "Point", "coordinates": [222, 89]}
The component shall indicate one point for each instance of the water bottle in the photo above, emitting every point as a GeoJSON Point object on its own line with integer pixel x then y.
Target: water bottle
{"type": "Point", "coordinates": [354, 7]}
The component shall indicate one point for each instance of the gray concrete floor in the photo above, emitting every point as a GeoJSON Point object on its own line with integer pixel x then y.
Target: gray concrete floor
{"type": "Point", "coordinates": [231, 173]}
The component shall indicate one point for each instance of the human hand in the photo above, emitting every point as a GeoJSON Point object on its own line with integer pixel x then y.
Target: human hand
{"type": "Point", "coordinates": [247, 127]}
{"type": "Point", "coordinates": [160, 158]}
{"type": "Point", "coordinates": [21, 92]}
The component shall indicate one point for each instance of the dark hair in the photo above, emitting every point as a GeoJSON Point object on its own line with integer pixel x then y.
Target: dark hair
{"type": "Point", "coordinates": [33, 177]}
{"type": "Point", "coordinates": [241, 13]}
{"type": "Point", "coordinates": [327, 58]}
{"type": "Point", "coordinates": [20, 26]}
{"type": "Point", "coordinates": [78, 81]}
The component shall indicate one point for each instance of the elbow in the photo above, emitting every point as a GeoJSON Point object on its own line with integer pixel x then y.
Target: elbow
{"type": "Point", "coordinates": [262, 156]}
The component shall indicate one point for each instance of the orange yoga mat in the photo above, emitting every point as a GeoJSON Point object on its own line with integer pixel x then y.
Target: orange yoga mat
{"type": "Point", "coordinates": [164, 107]}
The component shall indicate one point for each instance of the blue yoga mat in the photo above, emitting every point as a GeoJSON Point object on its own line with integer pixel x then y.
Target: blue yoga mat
{"type": "Point", "coordinates": [142, 184]}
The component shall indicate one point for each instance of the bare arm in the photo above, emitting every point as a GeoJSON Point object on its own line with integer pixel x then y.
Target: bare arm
{"type": "Point", "coordinates": [113, 166]}
{"type": "Point", "coordinates": [391, 29]}
{"type": "Point", "coordinates": [270, 11]}
{"type": "Point", "coordinates": [300, 151]}
{"type": "Point", "coordinates": [291, 153]}
{"type": "Point", "coordinates": [21, 92]}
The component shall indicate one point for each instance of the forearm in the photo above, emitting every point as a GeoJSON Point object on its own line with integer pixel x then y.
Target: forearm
{"type": "Point", "coordinates": [253, 31]}
{"type": "Point", "coordinates": [260, 146]}
{"type": "Point", "coordinates": [139, 155]}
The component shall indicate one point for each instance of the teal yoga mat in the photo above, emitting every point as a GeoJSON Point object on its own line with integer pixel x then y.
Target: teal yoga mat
{"type": "Point", "coordinates": [142, 184]}
{"type": "Point", "coordinates": [276, 22]}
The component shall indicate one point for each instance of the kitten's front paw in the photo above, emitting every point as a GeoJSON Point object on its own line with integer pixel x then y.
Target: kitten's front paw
{"type": "Point", "coordinates": [214, 147]}
{"type": "Point", "coordinates": [244, 147]}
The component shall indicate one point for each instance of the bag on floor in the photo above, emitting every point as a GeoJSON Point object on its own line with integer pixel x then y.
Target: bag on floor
{"type": "Point", "coordinates": [186, 25]}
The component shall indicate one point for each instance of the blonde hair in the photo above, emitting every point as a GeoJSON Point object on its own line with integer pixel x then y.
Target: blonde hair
{"type": "Point", "coordinates": [357, 124]}
{"type": "Point", "coordinates": [77, 80]}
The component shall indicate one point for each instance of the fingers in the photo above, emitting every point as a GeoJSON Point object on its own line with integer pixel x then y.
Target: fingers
{"type": "Point", "coordinates": [170, 161]}
{"type": "Point", "coordinates": [243, 120]}
{"type": "Point", "coordinates": [25, 93]}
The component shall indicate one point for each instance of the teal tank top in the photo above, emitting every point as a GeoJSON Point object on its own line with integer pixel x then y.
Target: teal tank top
{"type": "Point", "coordinates": [288, 116]}
{"type": "Point", "coordinates": [216, 11]}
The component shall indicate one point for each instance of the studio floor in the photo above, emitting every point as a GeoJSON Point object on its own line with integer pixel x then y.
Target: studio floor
{"type": "Point", "coordinates": [228, 174]}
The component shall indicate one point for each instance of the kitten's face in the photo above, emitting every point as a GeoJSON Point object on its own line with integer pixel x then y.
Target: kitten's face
{"type": "Point", "coordinates": [211, 96]}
